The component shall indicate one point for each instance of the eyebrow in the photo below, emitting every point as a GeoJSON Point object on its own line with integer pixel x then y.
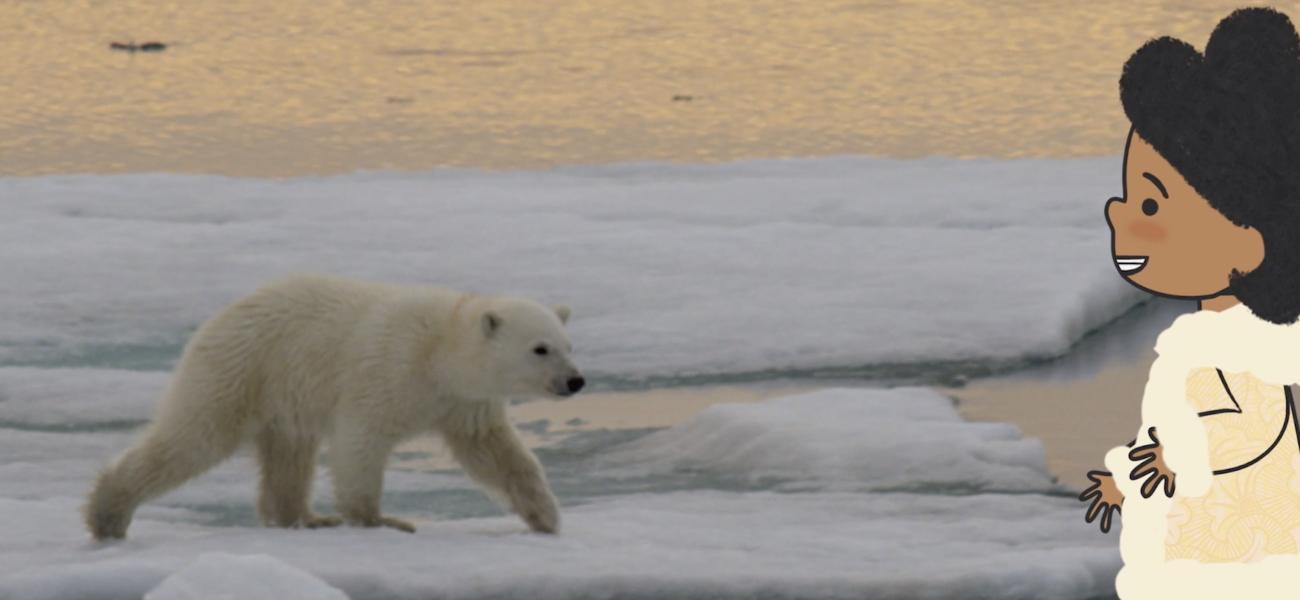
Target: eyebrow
{"type": "Point", "coordinates": [1159, 186]}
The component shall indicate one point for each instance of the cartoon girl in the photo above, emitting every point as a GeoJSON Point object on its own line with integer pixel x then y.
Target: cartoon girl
{"type": "Point", "coordinates": [1210, 490]}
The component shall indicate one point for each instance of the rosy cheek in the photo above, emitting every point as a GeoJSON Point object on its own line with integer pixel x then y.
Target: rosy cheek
{"type": "Point", "coordinates": [1147, 230]}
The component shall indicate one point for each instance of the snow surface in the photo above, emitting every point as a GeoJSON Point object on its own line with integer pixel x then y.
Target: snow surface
{"type": "Point", "coordinates": [997, 527]}
{"type": "Point", "coordinates": [673, 271]}
{"type": "Point", "coordinates": [845, 266]}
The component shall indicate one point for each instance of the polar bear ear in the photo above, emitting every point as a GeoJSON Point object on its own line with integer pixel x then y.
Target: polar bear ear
{"type": "Point", "coordinates": [491, 323]}
{"type": "Point", "coordinates": [563, 312]}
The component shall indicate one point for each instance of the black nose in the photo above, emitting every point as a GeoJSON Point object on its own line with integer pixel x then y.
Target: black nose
{"type": "Point", "coordinates": [575, 384]}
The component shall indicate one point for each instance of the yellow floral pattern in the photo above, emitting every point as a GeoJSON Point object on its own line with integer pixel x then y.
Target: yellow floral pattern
{"type": "Point", "coordinates": [1254, 511]}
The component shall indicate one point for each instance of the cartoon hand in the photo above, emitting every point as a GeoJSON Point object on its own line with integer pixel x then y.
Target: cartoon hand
{"type": "Point", "coordinates": [1151, 466]}
{"type": "Point", "coordinates": [1106, 499]}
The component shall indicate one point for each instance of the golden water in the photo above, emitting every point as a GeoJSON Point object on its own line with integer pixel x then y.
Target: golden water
{"type": "Point", "coordinates": [281, 87]}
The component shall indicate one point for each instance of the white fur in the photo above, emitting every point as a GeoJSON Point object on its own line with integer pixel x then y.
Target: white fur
{"type": "Point", "coordinates": [359, 367]}
{"type": "Point", "coordinates": [1235, 341]}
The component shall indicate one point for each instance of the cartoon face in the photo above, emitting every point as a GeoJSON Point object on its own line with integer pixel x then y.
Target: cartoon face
{"type": "Point", "coordinates": [1167, 239]}
{"type": "Point", "coordinates": [528, 350]}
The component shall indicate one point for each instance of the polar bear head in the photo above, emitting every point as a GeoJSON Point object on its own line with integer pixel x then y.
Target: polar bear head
{"type": "Point", "coordinates": [522, 350]}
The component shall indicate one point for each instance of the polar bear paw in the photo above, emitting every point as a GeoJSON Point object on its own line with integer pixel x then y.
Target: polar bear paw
{"type": "Point", "coordinates": [539, 512]}
{"type": "Point", "coordinates": [397, 524]}
{"type": "Point", "coordinates": [390, 522]}
{"type": "Point", "coordinates": [319, 522]}
{"type": "Point", "coordinates": [543, 521]}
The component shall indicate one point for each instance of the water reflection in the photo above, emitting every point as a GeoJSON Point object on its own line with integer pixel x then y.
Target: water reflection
{"type": "Point", "coordinates": [306, 86]}
{"type": "Point", "coordinates": [1086, 402]}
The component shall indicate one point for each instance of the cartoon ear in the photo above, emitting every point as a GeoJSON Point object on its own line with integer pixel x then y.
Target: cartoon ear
{"type": "Point", "coordinates": [491, 323]}
{"type": "Point", "coordinates": [563, 312]}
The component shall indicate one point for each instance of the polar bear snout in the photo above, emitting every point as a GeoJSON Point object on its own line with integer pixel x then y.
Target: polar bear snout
{"type": "Point", "coordinates": [575, 384]}
{"type": "Point", "coordinates": [568, 385]}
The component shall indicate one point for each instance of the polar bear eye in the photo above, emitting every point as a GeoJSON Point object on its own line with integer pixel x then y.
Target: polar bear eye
{"type": "Point", "coordinates": [541, 350]}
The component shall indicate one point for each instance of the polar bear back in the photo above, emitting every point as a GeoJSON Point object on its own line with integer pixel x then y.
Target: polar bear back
{"type": "Point", "coordinates": [296, 346]}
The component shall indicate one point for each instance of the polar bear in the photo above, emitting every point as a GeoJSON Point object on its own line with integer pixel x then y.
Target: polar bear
{"type": "Point", "coordinates": [359, 366]}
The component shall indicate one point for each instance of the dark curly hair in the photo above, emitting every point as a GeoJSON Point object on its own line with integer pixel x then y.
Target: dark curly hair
{"type": "Point", "coordinates": [1229, 121]}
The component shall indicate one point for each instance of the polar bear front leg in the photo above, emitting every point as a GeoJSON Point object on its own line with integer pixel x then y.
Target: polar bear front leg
{"type": "Point", "coordinates": [357, 459]}
{"type": "Point", "coordinates": [495, 457]}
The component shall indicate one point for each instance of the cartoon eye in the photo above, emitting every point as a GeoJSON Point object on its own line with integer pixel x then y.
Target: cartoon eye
{"type": "Point", "coordinates": [541, 351]}
{"type": "Point", "coordinates": [1150, 207]}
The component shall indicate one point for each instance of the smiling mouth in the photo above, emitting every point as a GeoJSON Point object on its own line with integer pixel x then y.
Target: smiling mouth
{"type": "Point", "coordinates": [1130, 265]}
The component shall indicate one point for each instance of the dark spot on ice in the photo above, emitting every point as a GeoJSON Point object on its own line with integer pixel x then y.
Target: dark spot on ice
{"type": "Point", "coordinates": [134, 47]}
{"type": "Point", "coordinates": [538, 427]}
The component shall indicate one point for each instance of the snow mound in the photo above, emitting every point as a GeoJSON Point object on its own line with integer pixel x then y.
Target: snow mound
{"type": "Point", "coordinates": [673, 271]}
{"type": "Point", "coordinates": [223, 576]}
{"type": "Point", "coordinates": [848, 439]}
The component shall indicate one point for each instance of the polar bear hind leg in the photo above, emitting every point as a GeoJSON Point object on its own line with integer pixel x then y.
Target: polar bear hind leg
{"type": "Point", "coordinates": [197, 428]}
{"type": "Point", "coordinates": [288, 464]}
